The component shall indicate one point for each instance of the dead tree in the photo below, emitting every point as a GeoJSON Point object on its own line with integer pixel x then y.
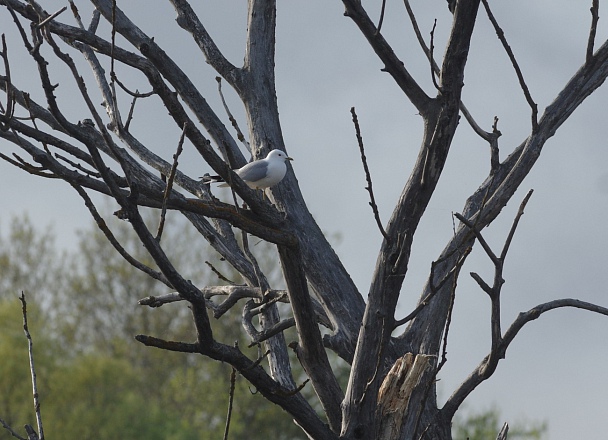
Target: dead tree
{"type": "Point", "coordinates": [391, 389]}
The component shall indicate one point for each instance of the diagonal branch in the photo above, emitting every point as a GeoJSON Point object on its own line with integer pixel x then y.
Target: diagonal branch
{"type": "Point", "coordinates": [392, 64]}
{"type": "Point", "coordinates": [114, 242]}
{"type": "Point", "coordinates": [189, 21]}
{"type": "Point", "coordinates": [11, 430]}
{"type": "Point", "coordinates": [310, 351]}
{"type": "Point", "coordinates": [501, 36]}
{"type": "Point", "coordinates": [169, 187]}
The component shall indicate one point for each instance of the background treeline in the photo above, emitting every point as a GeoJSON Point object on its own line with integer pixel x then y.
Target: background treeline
{"type": "Point", "coordinates": [95, 381]}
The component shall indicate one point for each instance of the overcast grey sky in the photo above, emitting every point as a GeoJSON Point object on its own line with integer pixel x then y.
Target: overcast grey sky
{"type": "Point", "coordinates": [555, 369]}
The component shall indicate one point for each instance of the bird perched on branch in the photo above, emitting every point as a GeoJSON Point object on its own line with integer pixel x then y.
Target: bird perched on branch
{"type": "Point", "coordinates": [259, 174]}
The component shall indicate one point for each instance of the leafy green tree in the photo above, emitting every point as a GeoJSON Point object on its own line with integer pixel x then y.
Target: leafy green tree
{"type": "Point", "coordinates": [29, 261]}
{"type": "Point", "coordinates": [484, 425]}
{"type": "Point", "coordinates": [95, 380]}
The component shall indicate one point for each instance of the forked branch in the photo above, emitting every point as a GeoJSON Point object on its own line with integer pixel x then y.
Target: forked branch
{"type": "Point", "coordinates": [498, 261]}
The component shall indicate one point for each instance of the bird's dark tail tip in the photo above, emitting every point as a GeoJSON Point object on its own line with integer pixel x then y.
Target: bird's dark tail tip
{"type": "Point", "coordinates": [211, 179]}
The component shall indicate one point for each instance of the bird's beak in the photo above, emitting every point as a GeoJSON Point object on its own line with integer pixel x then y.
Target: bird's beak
{"type": "Point", "coordinates": [288, 158]}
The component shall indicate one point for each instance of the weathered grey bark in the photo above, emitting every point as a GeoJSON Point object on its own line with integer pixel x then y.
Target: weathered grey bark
{"type": "Point", "coordinates": [391, 392]}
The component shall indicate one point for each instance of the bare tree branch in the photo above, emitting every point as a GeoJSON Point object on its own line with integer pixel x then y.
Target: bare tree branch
{"type": "Point", "coordinates": [392, 64]}
{"type": "Point", "coordinates": [230, 400]}
{"type": "Point", "coordinates": [368, 176]}
{"type": "Point", "coordinates": [30, 344]}
{"type": "Point", "coordinates": [170, 179]}
{"type": "Point", "coordinates": [114, 242]}
{"type": "Point", "coordinates": [10, 430]}
{"type": "Point", "coordinates": [502, 435]}
{"type": "Point", "coordinates": [311, 352]}
{"type": "Point", "coordinates": [488, 365]}
{"type": "Point", "coordinates": [595, 16]}
{"type": "Point", "coordinates": [520, 76]}
{"type": "Point", "coordinates": [390, 271]}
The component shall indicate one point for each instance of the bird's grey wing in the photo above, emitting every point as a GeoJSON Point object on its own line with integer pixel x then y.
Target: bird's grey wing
{"type": "Point", "coordinates": [254, 171]}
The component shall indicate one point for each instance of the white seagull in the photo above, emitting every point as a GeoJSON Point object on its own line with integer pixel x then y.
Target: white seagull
{"type": "Point", "coordinates": [262, 173]}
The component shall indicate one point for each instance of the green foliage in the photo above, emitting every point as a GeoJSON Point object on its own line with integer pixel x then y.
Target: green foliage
{"type": "Point", "coordinates": [486, 425]}
{"type": "Point", "coordinates": [97, 382]}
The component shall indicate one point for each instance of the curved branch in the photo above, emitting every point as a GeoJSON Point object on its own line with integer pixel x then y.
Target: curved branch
{"type": "Point", "coordinates": [488, 365]}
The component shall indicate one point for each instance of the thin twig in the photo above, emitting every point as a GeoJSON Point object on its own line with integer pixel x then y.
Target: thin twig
{"type": "Point", "coordinates": [368, 176]}
{"type": "Point", "coordinates": [293, 392]}
{"type": "Point", "coordinates": [595, 16]}
{"type": "Point", "coordinates": [32, 369]}
{"type": "Point", "coordinates": [520, 212]}
{"type": "Point", "coordinates": [32, 169]}
{"type": "Point", "coordinates": [269, 332]}
{"type": "Point", "coordinates": [501, 36]}
{"type": "Point", "coordinates": [51, 17]}
{"type": "Point", "coordinates": [474, 125]}
{"type": "Point", "coordinates": [113, 241]}
{"type": "Point", "coordinates": [484, 244]}
{"type": "Point", "coordinates": [494, 150]}
{"type": "Point", "coordinates": [134, 94]}
{"type": "Point", "coordinates": [9, 111]}
{"type": "Point", "coordinates": [182, 347]}
{"type": "Point", "coordinates": [219, 274]}
{"type": "Point", "coordinates": [169, 185]}
{"type": "Point", "coordinates": [434, 288]}
{"type": "Point", "coordinates": [78, 166]}
{"type": "Point", "coordinates": [9, 429]}
{"type": "Point", "coordinates": [431, 56]}
{"type": "Point", "coordinates": [113, 42]}
{"type": "Point", "coordinates": [382, 10]}
{"type": "Point", "coordinates": [230, 401]}
{"type": "Point", "coordinates": [262, 281]}
{"type": "Point", "coordinates": [239, 133]}
{"type": "Point", "coordinates": [130, 115]}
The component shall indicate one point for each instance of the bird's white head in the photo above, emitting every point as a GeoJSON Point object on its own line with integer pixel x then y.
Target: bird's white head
{"type": "Point", "coordinates": [278, 155]}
